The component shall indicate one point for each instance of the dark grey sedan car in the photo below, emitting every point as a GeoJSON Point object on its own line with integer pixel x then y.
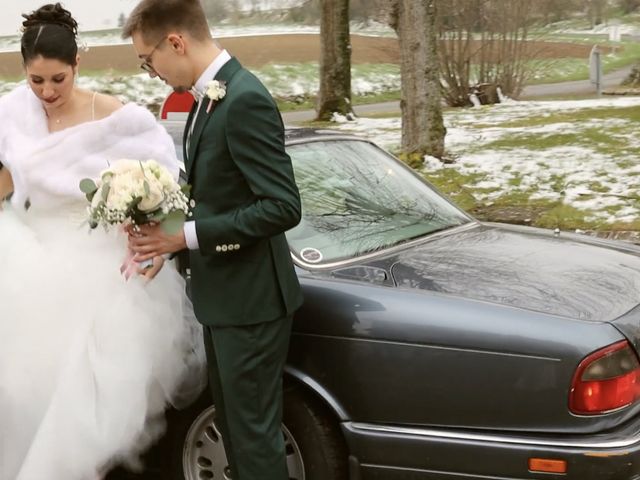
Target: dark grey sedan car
{"type": "Point", "coordinates": [434, 346]}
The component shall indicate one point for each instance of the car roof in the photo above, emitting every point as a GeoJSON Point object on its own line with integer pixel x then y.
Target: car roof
{"type": "Point", "coordinates": [295, 135]}
{"type": "Point", "coordinates": [305, 133]}
{"type": "Point", "coordinates": [292, 135]}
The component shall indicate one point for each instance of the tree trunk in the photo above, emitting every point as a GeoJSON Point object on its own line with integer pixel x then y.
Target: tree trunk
{"type": "Point", "coordinates": [423, 128]}
{"type": "Point", "coordinates": [335, 60]}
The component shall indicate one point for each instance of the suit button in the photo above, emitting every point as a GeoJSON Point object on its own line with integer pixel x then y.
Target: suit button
{"type": "Point", "coordinates": [236, 247]}
{"type": "Point", "coordinates": [218, 248]}
{"type": "Point", "coordinates": [224, 248]}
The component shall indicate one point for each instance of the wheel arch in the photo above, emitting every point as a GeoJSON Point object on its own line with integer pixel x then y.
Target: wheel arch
{"type": "Point", "coordinates": [297, 377]}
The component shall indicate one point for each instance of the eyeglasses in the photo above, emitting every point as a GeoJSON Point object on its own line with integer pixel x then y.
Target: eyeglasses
{"type": "Point", "coordinates": [146, 65]}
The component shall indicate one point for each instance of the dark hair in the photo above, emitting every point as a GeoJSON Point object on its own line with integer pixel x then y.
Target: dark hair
{"type": "Point", "coordinates": [50, 32]}
{"type": "Point", "coordinates": [156, 18]}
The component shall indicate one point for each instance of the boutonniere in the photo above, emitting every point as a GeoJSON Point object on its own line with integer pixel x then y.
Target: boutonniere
{"type": "Point", "coordinates": [216, 90]}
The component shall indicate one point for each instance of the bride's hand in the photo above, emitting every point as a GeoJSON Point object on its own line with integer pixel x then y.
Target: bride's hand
{"type": "Point", "coordinates": [151, 271]}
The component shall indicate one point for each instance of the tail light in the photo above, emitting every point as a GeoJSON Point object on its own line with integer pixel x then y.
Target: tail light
{"type": "Point", "coordinates": [606, 380]}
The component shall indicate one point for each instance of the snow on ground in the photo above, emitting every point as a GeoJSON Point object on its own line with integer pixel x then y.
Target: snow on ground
{"type": "Point", "coordinates": [283, 81]}
{"type": "Point", "coordinates": [301, 80]}
{"type": "Point", "coordinates": [135, 88]}
{"type": "Point", "coordinates": [580, 175]}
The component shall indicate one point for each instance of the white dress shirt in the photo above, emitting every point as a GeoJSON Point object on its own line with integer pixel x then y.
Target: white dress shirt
{"type": "Point", "coordinates": [200, 92]}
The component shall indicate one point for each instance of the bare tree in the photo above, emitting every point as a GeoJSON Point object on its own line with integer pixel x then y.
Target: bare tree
{"type": "Point", "coordinates": [555, 10]}
{"type": "Point", "coordinates": [334, 95]}
{"type": "Point", "coordinates": [362, 10]}
{"type": "Point", "coordinates": [122, 19]}
{"type": "Point", "coordinates": [216, 10]}
{"type": "Point", "coordinates": [596, 10]}
{"type": "Point", "coordinates": [484, 42]}
{"type": "Point", "coordinates": [629, 6]}
{"type": "Point", "coordinates": [307, 12]}
{"type": "Point", "coordinates": [423, 128]}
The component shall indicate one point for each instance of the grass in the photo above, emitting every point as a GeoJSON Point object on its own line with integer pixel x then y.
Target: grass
{"type": "Point", "coordinates": [454, 184]}
{"type": "Point", "coordinates": [309, 103]}
{"type": "Point", "coordinates": [590, 137]}
{"type": "Point", "coordinates": [575, 116]}
{"type": "Point", "coordinates": [286, 105]}
{"type": "Point", "coordinates": [517, 206]}
{"type": "Point", "coordinates": [570, 69]}
{"type": "Point", "coordinates": [611, 142]}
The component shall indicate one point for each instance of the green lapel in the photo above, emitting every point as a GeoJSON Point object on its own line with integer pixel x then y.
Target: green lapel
{"type": "Point", "coordinates": [225, 74]}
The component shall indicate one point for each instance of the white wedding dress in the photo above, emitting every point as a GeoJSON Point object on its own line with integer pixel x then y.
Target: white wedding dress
{"type": "Point", "coordinates": [88, 360]}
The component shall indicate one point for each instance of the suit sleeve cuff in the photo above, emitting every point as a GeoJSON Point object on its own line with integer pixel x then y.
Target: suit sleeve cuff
{"type": "Point", "coordinates": [190, 235]}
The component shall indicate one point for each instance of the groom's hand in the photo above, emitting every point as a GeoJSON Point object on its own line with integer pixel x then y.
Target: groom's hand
{"type": "Point", "coordinates": [151, 241]}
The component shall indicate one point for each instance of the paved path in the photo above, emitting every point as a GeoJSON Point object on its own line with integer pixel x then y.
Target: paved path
{"type": "Point", "coordinates": [612, 79]}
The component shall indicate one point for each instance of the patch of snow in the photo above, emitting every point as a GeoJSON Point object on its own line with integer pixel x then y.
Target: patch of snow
{"type": "Point", "coordinates": [339, 118]}
{"type": "Point", "coordinates": [432, 163]}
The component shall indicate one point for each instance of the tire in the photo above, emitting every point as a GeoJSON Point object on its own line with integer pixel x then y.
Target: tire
{"type": "Point", "coordinates": [193, 448]}
{"type": "Point", "coordinates": [317, 434]}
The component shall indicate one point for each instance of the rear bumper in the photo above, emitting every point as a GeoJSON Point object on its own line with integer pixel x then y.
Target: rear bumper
{"type": "Point", "coordinates": [389, 453]}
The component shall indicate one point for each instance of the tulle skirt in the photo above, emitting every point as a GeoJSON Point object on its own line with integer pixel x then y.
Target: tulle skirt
{"type": "Point", "coordinates": [88, 360]}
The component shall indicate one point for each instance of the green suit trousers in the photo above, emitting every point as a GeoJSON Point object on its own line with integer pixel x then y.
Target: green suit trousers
{"type": "Point", "coordinates": [245, 375]}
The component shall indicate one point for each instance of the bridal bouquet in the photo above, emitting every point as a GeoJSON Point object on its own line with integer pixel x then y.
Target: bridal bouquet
{"type": "Point", "coordinates": [132, 193]}
{"type": "Point", "coordinates": [136, 192]}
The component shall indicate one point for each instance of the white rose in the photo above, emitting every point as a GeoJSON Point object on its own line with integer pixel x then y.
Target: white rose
{"type": "Point", "coordinates": [123, 166]}
{"type": "Point", "coordinates": [121, 188]}
{"type": "Point", "coordinates": [154, 199]}
{"type": "Point", "coordinates": [152, 165]}
{"type": "Point", "coordinates": [138, 174]}
{"type": "Point", "coordinates": [117, 201]}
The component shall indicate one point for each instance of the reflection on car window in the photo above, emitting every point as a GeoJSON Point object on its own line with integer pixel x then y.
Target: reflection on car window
{"type": "Point", "coordinates": [357, 199]}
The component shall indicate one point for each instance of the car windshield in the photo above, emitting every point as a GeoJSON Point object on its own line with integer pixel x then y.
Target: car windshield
{"type": "Point", "coordinates": [357, 199]}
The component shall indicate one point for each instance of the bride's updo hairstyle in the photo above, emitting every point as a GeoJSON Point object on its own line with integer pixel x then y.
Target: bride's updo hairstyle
{"type": "Point", "coordinates": [50, 32]}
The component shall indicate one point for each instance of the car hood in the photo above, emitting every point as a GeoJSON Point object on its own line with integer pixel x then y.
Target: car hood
{"type": "Point", "coordinates": [523, 268]}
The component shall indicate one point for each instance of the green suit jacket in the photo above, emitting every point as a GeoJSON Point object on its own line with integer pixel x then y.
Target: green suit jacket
{"type": "Point", "coordinates": [245, 199]}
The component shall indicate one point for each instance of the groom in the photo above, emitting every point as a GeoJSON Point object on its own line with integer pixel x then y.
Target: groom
{"type": "Point", "coordinates": [244, 287]}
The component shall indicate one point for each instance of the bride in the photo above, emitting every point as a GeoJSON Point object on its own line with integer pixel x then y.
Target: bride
{"type": "Point", "coordinates": [88, 360]}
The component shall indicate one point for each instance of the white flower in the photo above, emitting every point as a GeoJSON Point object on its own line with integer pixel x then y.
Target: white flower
{"type": "Point", "coordinates": [154, 199]}
{"type": "Point", "coordinates": [152, 165]}
{"type": "Point", "coordinates": [122, 166]}
{"type": "Point", "coordinates": [216, 90]}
